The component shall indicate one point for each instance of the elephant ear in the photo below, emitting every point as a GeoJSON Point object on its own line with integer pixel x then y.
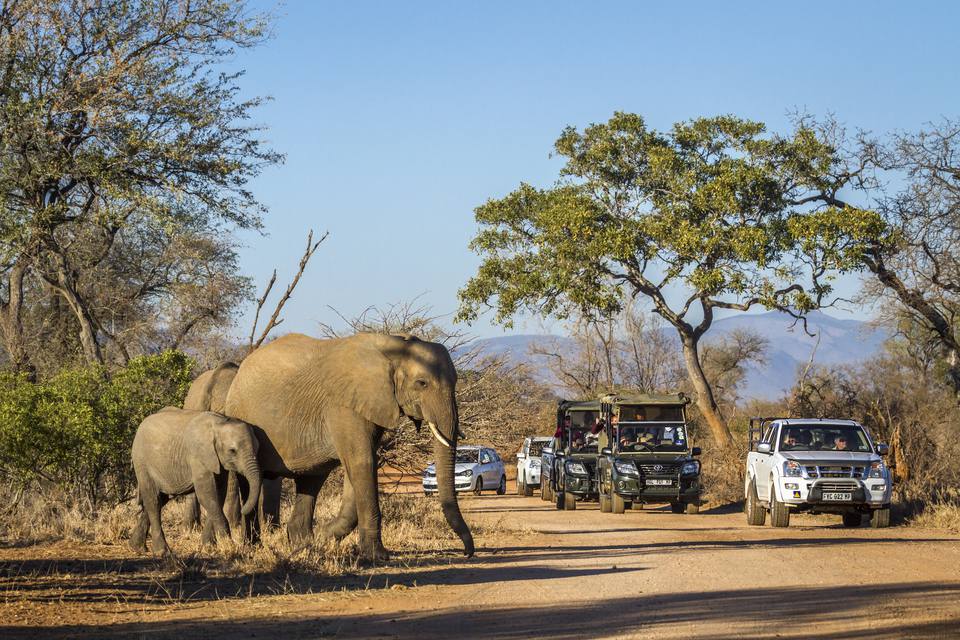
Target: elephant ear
{"type": "Point", "coordinates": [203, 449]}
{"type": "Point", "coordinates": [359, 376]}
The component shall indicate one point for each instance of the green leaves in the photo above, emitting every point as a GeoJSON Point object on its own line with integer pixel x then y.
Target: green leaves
{"type": "Point", "coordinates": [716, 206]}
{"type": "Point", "coordinates": [76, 428]}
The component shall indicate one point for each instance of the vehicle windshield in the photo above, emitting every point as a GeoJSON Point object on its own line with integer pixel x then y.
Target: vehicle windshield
{"type": "Point", "coordinates": [536, 447]}
{"type": "Point", "coordinates": [652, 437]}
{"type": "Point", "coordinates": [468, 455]}
{"type": "Point", "coordinates": [579, 434]}
{"type": "Point", "coordinates": [817, 437]}
{"type": "Point", "coordinates": [641, 413]}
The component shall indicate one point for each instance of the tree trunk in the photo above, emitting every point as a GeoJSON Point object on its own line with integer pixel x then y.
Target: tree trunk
{"type": "Point", "coordinates": [705, 400]}
{"type": "Point", "coordinates": [11, 323]}
{"type": "Point", "coordinates": [63, 283]}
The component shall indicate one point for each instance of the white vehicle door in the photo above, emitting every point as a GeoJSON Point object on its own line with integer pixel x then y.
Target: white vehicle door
{"type": "Point", "coordinates": [764, 462]}
{"type": "Point", "coordinates": [486, 467]}
{"type": "Point", "coordinates": [523, 462]}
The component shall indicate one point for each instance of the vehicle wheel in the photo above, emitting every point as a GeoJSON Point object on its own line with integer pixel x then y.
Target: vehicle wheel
{"type": "Point", "coordinates": [527, 489]}
{"type": "Point", "coordinates": [756, 514]}
{"type": "Point", "coordinates": [676, 507]}
{"type": "Point", "coordinates": [852, 519]}
{"type": "Point", "coordinates": [880, 518]}
{"type": "Point", "coordinates": [550, 494]}
{"type": "Point", "coordinates": [519, 488]}
{"type": "Point", "coordinates": [543, 489]}
{"type": "Point", "coordinates": [502, 488]}
{"type": "Point", "coordinates": [569, 502]}
{"type": "Point", "coordinates": [617, 503]}
{"type": "Point", "coordinates": [477, 490]}
{"type": "Point", "coordinates": [605, 505]}
{"type": "Point", "coordinates": [426, 493]}
{"type": "Point", "coordinates": [558, 500]}
{"type": "Point", "coordinates": [779, 512]}
{"type": "Point", "coordinates": [693, 508]}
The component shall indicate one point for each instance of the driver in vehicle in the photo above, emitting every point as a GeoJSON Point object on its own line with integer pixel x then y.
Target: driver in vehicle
{"type": "Point", "coordinates": [840, 443]}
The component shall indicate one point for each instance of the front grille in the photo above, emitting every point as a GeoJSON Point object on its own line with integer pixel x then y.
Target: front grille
{"type": "Point", "coordinates": [834, 472]}
{"type": "Point", "coordinates": [666, 468]}
{"type": "Point", "coordinates": [837, 486]}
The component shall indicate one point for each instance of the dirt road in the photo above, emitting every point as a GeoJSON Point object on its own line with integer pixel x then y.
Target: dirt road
{"type": "Point", "coordinates": [645, 574]}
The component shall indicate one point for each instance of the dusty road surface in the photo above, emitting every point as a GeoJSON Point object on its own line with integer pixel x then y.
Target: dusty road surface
{"type": "Point", "coordinates": [645, 574]}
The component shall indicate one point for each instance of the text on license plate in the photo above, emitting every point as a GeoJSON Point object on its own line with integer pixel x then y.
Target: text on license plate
{"type": "Point", "coordinates": [842, 497]}
{"type": "Point", "coordinates": [662, 482]}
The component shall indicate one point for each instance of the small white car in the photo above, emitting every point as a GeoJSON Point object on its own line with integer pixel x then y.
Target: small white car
{"type": "Point", "coordinates": [477, 469]}
{"type": "Point", "coordinates": [818, 466]}
{"type": "Point", "coordinates": [528, 464]}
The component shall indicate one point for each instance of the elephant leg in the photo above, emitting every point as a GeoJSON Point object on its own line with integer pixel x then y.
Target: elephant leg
{"type": "Point", "coordinates": [346, 521]}
{"type": "Point", "coordinates": [250, 523]}
{"type": "Point", "coordinates": [153, 501]}
{"type": "Point", "coordinates": [191, 513]}
{"type": "Point", "coordinates": [300, 527]}
{"type": "Point", "coordinates": [360, 462]}
{"type": "Point", "coordinates": [270, 491]}
{"type": "Point", "coordinates": [209, 491]}
{"type": "Point", "coordinates": [138, 537]}
{"type": "Point", "coordinates": [231, 505]}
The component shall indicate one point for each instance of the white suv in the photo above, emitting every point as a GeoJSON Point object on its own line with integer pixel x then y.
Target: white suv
{"type": "Point", "coordinates": [528, 465]}
{"type": "Point", "coordinates": [815, 465]}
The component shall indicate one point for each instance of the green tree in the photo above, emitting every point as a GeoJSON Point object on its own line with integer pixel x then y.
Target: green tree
{"type": "Point", "coordinates": [713, 214]}
{"type": "Point", "coordinates": [120, 134]}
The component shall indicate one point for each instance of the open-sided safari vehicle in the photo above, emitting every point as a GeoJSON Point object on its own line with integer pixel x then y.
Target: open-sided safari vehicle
{"type": "Point", "coordinates": [645, 455]}
{"type": "Point", "coordinates": [573, 456]}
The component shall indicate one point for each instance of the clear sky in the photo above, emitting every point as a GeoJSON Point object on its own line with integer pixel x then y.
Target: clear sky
{"type": "Point", "coordinates": [398, 118]}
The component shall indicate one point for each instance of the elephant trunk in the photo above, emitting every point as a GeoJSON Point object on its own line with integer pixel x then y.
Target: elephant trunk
{"type": "Point", "coordinates": [251, 471]}
{"type": "Point", "coordinates": [445, 457]}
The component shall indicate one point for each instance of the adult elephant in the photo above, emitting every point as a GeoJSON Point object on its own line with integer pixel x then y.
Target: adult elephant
{"type": "Point", "coordinates": [320, 403]}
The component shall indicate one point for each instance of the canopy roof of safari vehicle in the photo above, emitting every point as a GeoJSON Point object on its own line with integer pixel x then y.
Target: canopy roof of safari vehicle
{"type": "Point", "coordinates": [673, 399]}
{"type": "Point", "coordinates": [579, 405]}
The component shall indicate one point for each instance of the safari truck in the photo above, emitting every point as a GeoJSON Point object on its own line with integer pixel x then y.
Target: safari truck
{"type": "Point", "coordinates": [818, 466]}
{"type": "Point", "coordinates": [645, 454]}
{"type": "Point", "coordinates": [574, 454]}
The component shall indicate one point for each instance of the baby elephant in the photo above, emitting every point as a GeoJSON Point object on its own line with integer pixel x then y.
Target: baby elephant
{"type": "Point", "coordinates": [177, 451]}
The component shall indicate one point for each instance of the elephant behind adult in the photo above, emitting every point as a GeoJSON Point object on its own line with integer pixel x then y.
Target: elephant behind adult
{"type": "Point", "coordinates": [325, 402]}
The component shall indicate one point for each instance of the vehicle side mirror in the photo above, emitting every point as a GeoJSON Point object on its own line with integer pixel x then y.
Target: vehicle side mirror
{"type": "Point", "coordinates": [606, 451]}
{"type": "Point", "coordinates": [695, 451]}
{"type": "Point", "coordinates": [763, 447]}
{"type": "Point", "coordinates": [882, 449]}
{"type": "Point", "coordinates": [547, 450]}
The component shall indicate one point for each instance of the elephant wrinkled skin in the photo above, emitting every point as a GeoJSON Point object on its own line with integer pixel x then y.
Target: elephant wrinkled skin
{"type": "Point", "coordinates": [319, 403]}
{"type": "Point", "coordinates": [177, 451]}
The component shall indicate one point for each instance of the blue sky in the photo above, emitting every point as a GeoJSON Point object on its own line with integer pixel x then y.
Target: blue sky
{"type": "Point", "coordinates": [398, 119]}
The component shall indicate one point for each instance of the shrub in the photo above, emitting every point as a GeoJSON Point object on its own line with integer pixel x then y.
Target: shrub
{"type": "Point", "coordinates": [75, 429]}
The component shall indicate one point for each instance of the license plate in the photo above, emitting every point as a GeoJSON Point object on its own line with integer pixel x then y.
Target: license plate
{"type": "Point", "coordinates": [660, 482]}
{"type": "Point", "coordinates": [839, 497]}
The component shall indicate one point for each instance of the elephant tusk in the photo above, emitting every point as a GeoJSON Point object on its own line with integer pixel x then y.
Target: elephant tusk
{"type": "Point", "coordinates": [439, 436]}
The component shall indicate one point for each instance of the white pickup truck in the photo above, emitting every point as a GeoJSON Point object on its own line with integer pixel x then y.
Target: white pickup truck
{"type": "Point", "coordinates": [818, 466]}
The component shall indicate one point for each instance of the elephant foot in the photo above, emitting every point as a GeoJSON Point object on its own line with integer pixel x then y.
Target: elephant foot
{"type": "Point", "coordinates": [138, 546]}
{"type": "Point", "coordinates": [375, 555]}
{"type": "Point", "coordinates": [299, 539]}
{"type": "Point", "coordinates": [336, 530]}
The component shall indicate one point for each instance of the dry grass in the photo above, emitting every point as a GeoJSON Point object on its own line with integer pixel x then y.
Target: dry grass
{"type": "Point", "coordinates": [943, 512]}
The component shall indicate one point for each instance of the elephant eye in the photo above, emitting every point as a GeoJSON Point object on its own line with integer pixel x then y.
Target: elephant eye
{"type": "Point", "coordinates": [420, 384]}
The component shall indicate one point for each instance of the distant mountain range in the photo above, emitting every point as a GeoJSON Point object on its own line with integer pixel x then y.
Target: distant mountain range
{"type": "Point", "coordinates": [841, 342]}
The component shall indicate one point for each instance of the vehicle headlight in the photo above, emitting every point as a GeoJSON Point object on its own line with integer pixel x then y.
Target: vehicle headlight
{"type": "Point", "coordinates": [576, 468]}
{"type": "Point", "coordinates": [792, 469]}
{"type": "Point", "coordinates": [466, 473]}
{"type": "Point", "coordinates": [626, 467]}
{"type": "Point", "coordinates": [877, 470]}
{"type": "Point", "coordinates": [690, 468]}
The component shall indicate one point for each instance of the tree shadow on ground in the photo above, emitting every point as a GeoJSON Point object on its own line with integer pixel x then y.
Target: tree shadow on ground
{"type": "Point", "coordinates": [858, 611]}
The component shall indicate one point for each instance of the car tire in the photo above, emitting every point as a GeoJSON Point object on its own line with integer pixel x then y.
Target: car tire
{"type": "Point", "coordinates": [880, 518]}
{"type": "Point", "coordinates": [527, 489]}
{"type": "Point", "coordinates": [605, 505]}
{"type": "Point", "coordinates": [852, 519]}
{"type": "Point", "coordinates": [756, 514]}
{"type": "Point", "coordinates": [550, 494]}
{"type": "Point", "coordinates": [519, 488]}
{"type": "Point", "coordinates": [569, 502]}
{"type": "Point", "coordinates": [693, 508]}
{"type": "Point", "coordinates": [478, 488]}
{"type": "Point", "coordinates": [559, 501]}
{"type": "Point", "coordinates": [779, 512]}
{"type": "Point", "coordinates": [502, 487]}
{"type": "Point", "coordinates": [676, 507]}
{"type": "Point", "coordinates": [617, 503]}
{"type": "Point", "coordinates": [543, 490]}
